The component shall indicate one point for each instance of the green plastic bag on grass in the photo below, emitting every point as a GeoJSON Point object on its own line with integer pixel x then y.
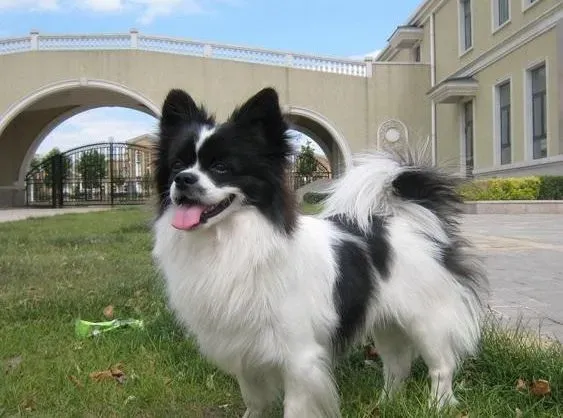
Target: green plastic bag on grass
{"type": "Point", "coordinates": [85, 329]}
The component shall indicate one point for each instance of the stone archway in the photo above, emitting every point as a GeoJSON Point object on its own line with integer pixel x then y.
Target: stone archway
{"type": "Point", "coordinates": [320, 130]}
{"type": "Point", "coordinates": [26, 123]}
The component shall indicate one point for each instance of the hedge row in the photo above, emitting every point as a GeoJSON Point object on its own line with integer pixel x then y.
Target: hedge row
{"type": "Point", "coordinates": [514, 188]}
{"type": "Point", "coordinates": [509, 188]}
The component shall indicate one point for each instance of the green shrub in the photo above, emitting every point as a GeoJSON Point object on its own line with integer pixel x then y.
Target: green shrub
{"type": "Point", "coordinates": [551, 188]}
{"type": "Point", "coordinates": [517, 188]}
{"type": "Point", "coordinates": [314, 197]}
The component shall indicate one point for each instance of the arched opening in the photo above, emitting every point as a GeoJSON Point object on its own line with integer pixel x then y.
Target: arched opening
{"type": "Point", "coordinates": [330, 154]}
{"type": "Point", "coordinates": [329, 140]}
{"type": "Point", "coordinates": [28, 122]}
{"type": "Point", "coordinates": [100, 156]}
{"type": "Point", "coordinates": [309, 164]}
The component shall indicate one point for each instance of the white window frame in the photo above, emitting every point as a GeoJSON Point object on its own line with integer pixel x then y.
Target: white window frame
{"type": "Point", "coordinates": [461, 28]}
{"type": "Point", "coordinates": [528, 116]}
{"type": "Point", "coordinates": [496, 121]}
{"type": "Point", "coordinates": [528, 4]}
{"type": "Point", "coordinates": [495, 27]}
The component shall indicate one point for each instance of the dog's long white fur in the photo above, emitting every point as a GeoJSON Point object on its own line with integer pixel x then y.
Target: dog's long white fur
{"type": "Point", "coordinates": [260, 304]}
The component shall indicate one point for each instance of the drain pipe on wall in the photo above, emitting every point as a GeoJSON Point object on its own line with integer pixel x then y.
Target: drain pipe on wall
{"type": "Point", "coordinates": [432, 84]}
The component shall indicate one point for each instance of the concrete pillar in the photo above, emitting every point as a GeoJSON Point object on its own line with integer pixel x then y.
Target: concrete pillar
{"type": "Point", "coordinates": [12, 197]}
{"type": "Point", "coordinates": [134, 34]}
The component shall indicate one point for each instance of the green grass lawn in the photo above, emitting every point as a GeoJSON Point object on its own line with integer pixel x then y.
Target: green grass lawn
{"type": "Point", "coordinates": [55, 270]}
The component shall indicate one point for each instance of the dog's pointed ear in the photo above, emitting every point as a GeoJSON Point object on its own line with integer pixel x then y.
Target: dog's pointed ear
{"type": "Point", "coordinates": [262, 110]}
{"type": "Point", "coordinates": [180, 107]}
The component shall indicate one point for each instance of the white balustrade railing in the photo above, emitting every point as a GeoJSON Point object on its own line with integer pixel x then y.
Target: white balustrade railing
{"type": "Point", "coordinates": [135, 40]}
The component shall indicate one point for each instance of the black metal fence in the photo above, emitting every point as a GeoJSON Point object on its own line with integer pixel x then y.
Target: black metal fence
{"type": "Point", "coordinates": [313, 172]}
{"type": "Point", "coordinates": [98, 174]}
{"type": "Point", "coordinates": [116, 174]}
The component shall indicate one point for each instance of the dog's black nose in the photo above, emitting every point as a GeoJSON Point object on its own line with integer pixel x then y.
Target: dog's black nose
{"type": "Point", "coordinates": [184, 180]}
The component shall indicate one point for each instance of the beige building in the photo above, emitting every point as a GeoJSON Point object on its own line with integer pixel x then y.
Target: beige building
{"type": "Point", "coordinates": [496, 82]}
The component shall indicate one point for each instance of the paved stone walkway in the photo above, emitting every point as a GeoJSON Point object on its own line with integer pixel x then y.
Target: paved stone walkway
{"type": "Point", "coordinates": [7, 215]}
{"type": "Point", "coordinates": [524, 258]}
{"type": "Point", "coordinates": [523, 255]}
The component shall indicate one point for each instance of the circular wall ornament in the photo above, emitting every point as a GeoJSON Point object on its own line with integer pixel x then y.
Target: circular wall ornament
{"type": "Point", "coordinates": [392, 131]}
{"type": "Point", "coordinates": [392, 135]}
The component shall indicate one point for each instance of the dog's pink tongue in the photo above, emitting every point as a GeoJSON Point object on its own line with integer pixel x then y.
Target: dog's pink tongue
{"type": "Point", "coordinates": [186, 217]}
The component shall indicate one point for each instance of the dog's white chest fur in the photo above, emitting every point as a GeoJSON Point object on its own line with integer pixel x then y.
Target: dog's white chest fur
{"type": "Point", "coordinates": [228, 285]}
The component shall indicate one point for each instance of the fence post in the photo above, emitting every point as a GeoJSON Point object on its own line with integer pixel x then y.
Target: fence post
{"type": "Point", "coordinates": [53, 182]}
{"type": "Point", "coordinates": [111, 172]}
{"type": "Point", "coordinates": [57, 180]}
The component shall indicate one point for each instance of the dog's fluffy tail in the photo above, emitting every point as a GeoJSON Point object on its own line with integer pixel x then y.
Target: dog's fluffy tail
{"type": "Point", "coordinates": [380, 182]}
{"type": "Point", "coordinates": [385, 184]}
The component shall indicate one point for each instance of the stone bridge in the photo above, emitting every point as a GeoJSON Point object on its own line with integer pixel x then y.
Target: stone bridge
{"type": "Point", "coordinates": [344, 105]}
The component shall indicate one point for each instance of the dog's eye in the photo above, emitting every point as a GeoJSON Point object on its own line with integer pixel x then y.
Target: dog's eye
{"type": "Point", "coordinates": [220, 168]}
{"type": "Point", "coordinates": [177, 165]}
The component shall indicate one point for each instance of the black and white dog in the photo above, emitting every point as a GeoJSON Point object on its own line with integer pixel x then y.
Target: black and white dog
{"type": "Point", "coordinates": [272, 296]}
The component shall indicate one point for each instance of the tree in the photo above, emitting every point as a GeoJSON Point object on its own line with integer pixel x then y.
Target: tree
{"type": "Point", "coordinates": [35, 163]}
{"type": "Point", "coordinates": [306, 163]}
{"type": "Point", "coordinates": [45, 164]}
{"type": "Point", "coordinates": [92, 168]}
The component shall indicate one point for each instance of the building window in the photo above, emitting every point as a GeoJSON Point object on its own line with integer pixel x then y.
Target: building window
{"type": "Point", "coordinates": [503, 92]}
{"type": "Point", "coordinates": [501, 12]}
{"type": "Point", "coordinates": [466, 25]}
{"type": "Point", "coordinates": [468, 137]}
{"type": "Point", "coordinates": [539, 111]}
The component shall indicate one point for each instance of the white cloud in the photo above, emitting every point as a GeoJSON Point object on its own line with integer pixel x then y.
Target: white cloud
{"type": "Point", "coordinates": [299, 139]}
{"type": "Point", "coordinates": [102, 5]}
{"type": "Point", "coordinates": [146, 11]}
{"type": "Point", "coordinates": [31, 5]}
{"type": "Point", "coordinates": [98, 125]}
{"type": "Point", "coordinates": [372, 54]}
{"type": "Point", "coordinates": [151, 9]}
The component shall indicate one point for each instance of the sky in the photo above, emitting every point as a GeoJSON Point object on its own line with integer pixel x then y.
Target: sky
{"type": "Point", "coordinates": [351, 29]}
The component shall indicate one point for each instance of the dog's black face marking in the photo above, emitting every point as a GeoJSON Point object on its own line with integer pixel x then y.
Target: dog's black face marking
{"type": "Point", "coordinates": [249, 151]}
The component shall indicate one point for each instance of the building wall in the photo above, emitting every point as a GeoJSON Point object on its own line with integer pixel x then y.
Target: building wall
{"type": "Point", "coordinates": [560, 80]}
{"type": "Point", "coordinates": [487, 41]}
{"type": "Point", "coordinates": [446, 40]}
{"type": "Point", "coordinates": [448, 127]}
{"type": "Point", "coordinates": [486, 36]}
{"type": "Point", "coordinates": [403, 55]}
{"type": "Point", "coordinates": [398, 92]}
{"type": "Point", "coordinates": [450, 57]}
{"type": "Point", "coordinates": [513, 67]}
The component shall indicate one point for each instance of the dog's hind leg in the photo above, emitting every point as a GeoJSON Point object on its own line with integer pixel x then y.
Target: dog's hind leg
{"type": "Point", "coordinates": [258, 391]}
{"type": "Point", "coordinates": [438, 353]}
{"type": "Point", "coordinates": [397, 354]}
{"type": "Point", "coordinates": [310, 390]}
